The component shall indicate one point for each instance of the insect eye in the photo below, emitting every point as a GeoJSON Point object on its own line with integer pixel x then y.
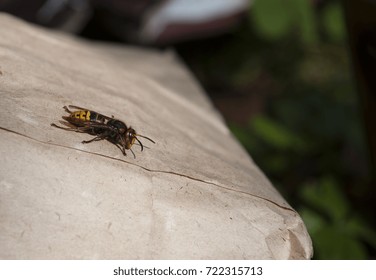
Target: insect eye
{"type": "Point", "coordinates": [131, 136]}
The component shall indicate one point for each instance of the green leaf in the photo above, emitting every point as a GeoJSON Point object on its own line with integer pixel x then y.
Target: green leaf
{"type": "Point", "coordinates": [275, 134]}
{"type": "Point", "coordinates": [333, 244]}
{"type": "Point", "coordinates": [272, 18]}
{"type": "Point", "coordinates": [333, 20]}
{"type": "Point", "coordinates": [358, 227]}
{"type": "Point", "coordinates": [326, 196]}
{"type": "Point", "coordinates": [306, 21]}
{"type": "Point", "coordinates": [313, 221]}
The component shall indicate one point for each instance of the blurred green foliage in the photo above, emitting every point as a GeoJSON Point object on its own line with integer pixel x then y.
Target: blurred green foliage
{"type": "Point", "coordinates": [316, 122]}
{"type": "Point", "coordinates": [290, 58]}
{"type": "Point", "coordinates": [338, 233]}
{"type": "Point", "coordinates": [275, 19]}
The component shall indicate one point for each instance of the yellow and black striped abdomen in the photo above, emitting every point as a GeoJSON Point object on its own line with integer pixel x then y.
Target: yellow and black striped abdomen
{"type": "Point", "coordinates": [81, 115]}
{"type": "Point", "coordinates": [86, 115]}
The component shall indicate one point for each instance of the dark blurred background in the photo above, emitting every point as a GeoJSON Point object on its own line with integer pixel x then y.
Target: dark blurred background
{"type": "Point", "coordinates": [295, 81]}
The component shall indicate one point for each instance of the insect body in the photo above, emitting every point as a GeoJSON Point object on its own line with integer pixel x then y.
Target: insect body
{"type": "Point", "coordinates": [103, 127]}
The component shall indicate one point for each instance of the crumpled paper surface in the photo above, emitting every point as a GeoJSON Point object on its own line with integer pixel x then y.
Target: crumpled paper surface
{"type": "Point", "coordinates": [195, 194]}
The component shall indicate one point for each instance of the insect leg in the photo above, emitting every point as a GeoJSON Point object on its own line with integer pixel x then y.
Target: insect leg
{"type": "Point", "coordinates": [67, 110]}
{"type": "Point", "coordinates": [122, 149]}
{"type": "Point", "coordinates": [78, 108]}
{"type": "Point", "coordinates": [76, 129]}
{"type": "Point", "coordinates": [96, 138]}
{"type": "Point", "coordinates": [133, 153]}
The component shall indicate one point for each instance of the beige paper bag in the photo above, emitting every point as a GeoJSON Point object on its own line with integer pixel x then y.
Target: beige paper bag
{"type": "Point", "coordinates": [195, 194]}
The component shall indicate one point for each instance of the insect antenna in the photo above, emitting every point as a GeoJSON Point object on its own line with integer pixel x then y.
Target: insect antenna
{"type": "Point", "coordinates": [138, 135]}
{"type": "Point", "coordinates": [133, 153]}
{"type": "Point", "coordinates": [142, 146]}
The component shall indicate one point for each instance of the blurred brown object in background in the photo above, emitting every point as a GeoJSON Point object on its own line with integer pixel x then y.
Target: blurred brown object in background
{"type": "Point", "coordinates": [361, 24]}
{"type": "Point", "coordinates": [152, 22]}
